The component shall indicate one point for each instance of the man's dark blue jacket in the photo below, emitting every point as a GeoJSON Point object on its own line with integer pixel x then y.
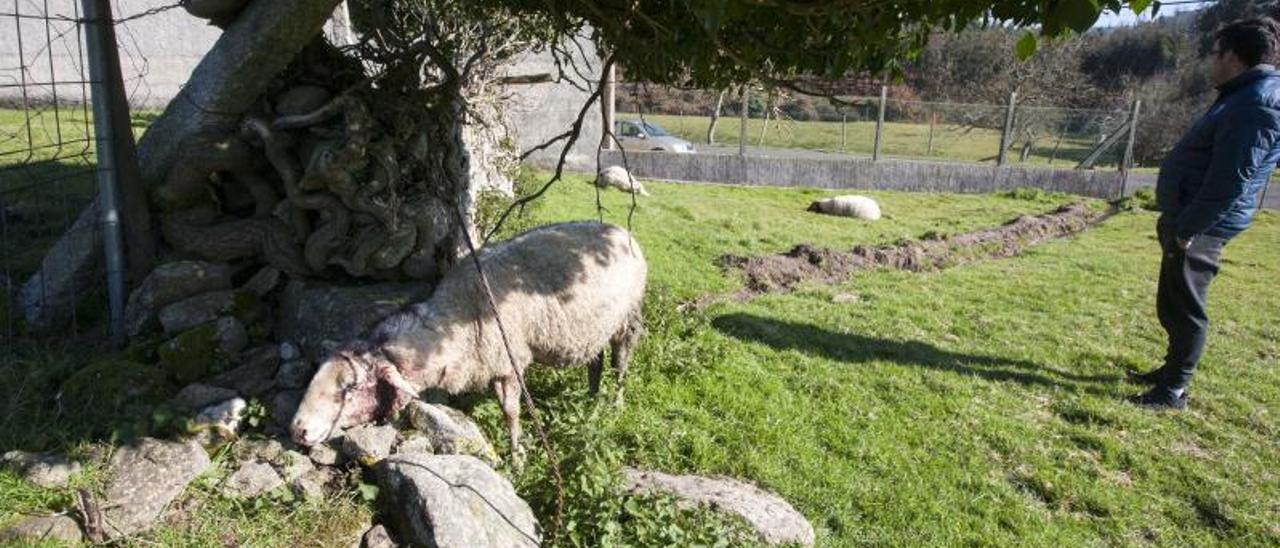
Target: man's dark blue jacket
{"type": "Point", "coordinates": [1211, 180]}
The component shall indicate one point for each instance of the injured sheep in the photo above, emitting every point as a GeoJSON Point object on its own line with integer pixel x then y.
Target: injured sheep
{"type": "Point", "coordinates": [617, 177]}
{"type": "Point", "coordinates": [564, 292]}
{"type": "Point", "coordinates": [858, 207]}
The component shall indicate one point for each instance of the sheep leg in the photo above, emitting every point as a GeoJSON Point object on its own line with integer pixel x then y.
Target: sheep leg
{"type": "Point", "coordinates": [622, 343]}
{"type": "Point", "coordinates": [618, 359]}
{"type": "Point", "coordinates": [509, 397]}
{"type": "Point", "coordinates": [594, 370]}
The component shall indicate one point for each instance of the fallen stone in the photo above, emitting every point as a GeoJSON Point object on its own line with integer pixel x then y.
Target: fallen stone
{"type": "Point", "coordinates": [145, 477]}
{"type": "Point", "coordinates": [368, 444]}
{"type": "Point", "coordinates": [293, 465]}
{"type": "Point", "coordinates": [451, 431]}
{"type": "Point", "coordinates": [193, 311]}
{"type": "Point", "coordinates": [323, 454]}
{"type": "Point", "coordinates": [454, 500]}
{"type": "Point", "coordinates": [294, 374]}
{"type": "Point", "coordinates": [772, 518]}
{"type": "Point", "coordinates": [415, 442]}
{"type": "Point", "coordinates": [231, 335]}
{"type": "Point", "coordinates": [43, 469]}
{"type": "Point", "coordinates": [289, 351]}
{"type": "Point", "coordinates": [263, 449]}
{"type": "Point", "coordinates": [313, 314]}
{"type": "Point", "coordinates": [43, 529]}
{"type": "Point", "coordinates": [311, 485]}
{"type": "Point", "coordinates": [252, 479]}
{"type": "Point", "coordinates": [377, 537]}
{"type": "Point", "coordinates": [168, 284]}
{"type": "Point", "coordinates": [199, 396]}
{"type": "Point", "coordinates": [284, 405]}
{"type": "Point", "coordinates": [224, 417]}
{"type": "Point", "coordinates": [256, 376]}
{"type": "Point", "coordinates": [263, 282]}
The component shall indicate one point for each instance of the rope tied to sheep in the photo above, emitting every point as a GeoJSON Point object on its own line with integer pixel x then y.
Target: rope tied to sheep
{"type": "Point", "coordinates": [552, 456]}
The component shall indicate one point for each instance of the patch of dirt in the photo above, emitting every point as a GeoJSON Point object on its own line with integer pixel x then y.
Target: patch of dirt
{"type": "Point", "coordinates": [782, 272]}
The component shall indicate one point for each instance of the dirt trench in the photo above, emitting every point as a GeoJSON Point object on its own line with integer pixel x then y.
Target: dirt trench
{"type": "Point", "coordinates": [806, 263]}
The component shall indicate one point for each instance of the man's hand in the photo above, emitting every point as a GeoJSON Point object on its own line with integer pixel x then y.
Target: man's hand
{"type": "Point", "coordinates": [1184, 244]}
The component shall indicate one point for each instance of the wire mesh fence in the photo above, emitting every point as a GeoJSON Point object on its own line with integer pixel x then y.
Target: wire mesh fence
{"type": "Point", "coordinates": [49, 149]}
{"type": "Point", "coordinates": [47, 155]}
{"type": "Point", "coordinates": [778, 124]}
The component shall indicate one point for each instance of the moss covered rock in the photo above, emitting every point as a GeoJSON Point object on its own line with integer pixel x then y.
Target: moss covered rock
{"type": "Point", "coordinates": [111, 388]}
{"type": "Point", "coordinates": [192, 355]}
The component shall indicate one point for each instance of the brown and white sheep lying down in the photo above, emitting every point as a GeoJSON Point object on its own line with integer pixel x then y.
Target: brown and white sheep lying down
{"type": "Point", "coordinates": [617, 177]}
{"type": "Point", "coordinates": [858, 207]}
{"type": "Point", "coordinates": [564, 293]}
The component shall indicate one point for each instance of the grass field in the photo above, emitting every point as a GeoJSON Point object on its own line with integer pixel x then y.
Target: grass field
{"type": "Point", "coordinates": [976, 405]}
{"type": "Point", "coordinates": [901, 140]}
{"type": "Point", "coordinates": [979, 405]}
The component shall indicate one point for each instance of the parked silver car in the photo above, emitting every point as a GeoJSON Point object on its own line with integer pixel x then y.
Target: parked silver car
{"type": "Point", "coordinates": [640, 135]}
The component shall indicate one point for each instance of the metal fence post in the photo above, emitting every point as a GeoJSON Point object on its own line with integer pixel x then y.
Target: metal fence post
{"type": "Point", "coordinates": [608, 101]}
{"type": "Point", "coordinates": [117, 172]}
{"type": "Point", "coordinates": [884, 96]}
{"type": "Point", "coordinates": [1126, 164]}
{"type": "Point", "coordinates": [742, 124]}
{"type": "Point", "coordinates": [1007, 134]}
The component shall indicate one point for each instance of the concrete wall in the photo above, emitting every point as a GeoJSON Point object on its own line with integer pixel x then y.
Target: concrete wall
{"type": "Point", "coordinates": [539, 112]}
{"type": "Point", "coordinates": [159, 51]}
{"type": "Point", "coordinates": [863, 173]}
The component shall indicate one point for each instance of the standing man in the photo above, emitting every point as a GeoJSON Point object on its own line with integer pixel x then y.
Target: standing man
{"type": "Point", "coordinates": [1208, 191]}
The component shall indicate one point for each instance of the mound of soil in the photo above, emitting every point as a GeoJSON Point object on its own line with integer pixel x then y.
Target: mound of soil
{"type": "Point", "coordinates": [804, 262]}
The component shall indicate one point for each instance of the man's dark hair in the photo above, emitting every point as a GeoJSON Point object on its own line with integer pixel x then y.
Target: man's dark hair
{"type": "Point", "coordinates": [1254, 41]}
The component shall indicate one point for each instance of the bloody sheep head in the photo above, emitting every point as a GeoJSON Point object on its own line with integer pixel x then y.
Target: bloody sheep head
{"type": "Point", "coordinates": [352, 387]}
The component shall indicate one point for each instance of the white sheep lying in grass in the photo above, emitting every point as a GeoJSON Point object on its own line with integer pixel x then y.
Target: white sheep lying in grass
{"type": "Point", "coordinates": [564, 293]}
{"type": "Point", "coordinates": [617, 177]}
{"type": "Point", "coordinates": [858, 207]}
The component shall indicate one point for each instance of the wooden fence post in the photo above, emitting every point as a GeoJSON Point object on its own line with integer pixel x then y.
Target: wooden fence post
{"type": "Point", "coordinates": [742, 124]}
{"type": "Point", "coordinates": [1126, 164]}
{"type": "Point", "coordinates": [1006, 136]}
{"type": "Point", "coordinates": [884, 96]}
{"type": "Point", "coordinates": [844, 121]}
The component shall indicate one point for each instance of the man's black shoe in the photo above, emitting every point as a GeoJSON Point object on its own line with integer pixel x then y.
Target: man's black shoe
{"type": "Point", "coordinates": [1160, 398]}
{"type": "Point", "coordinates": [1150, 378]}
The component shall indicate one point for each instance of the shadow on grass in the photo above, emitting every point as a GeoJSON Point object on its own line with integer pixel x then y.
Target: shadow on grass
{"type": "Point", "coordinates": [852, 348]}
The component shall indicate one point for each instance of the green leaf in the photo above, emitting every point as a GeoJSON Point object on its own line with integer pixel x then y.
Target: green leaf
{"type": "Point", "coordinates": [1139, 6]}
{"type": "Point", "coordinates": [1078, 15]}
{"type": "Point", "coordinates": [1026, 46]}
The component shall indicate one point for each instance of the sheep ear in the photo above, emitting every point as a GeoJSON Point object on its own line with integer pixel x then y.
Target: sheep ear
{"type": "Point", "coordinates": [401, 392]}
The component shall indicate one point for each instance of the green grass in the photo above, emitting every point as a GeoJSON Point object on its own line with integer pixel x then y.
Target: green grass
{"type": "Point", "coordinates": [975, 405]}
{"type": "Point", "coordinates": [901, 139]}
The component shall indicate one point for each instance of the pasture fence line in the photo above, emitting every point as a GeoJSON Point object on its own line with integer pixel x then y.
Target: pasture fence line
{"type": "Point", "coordinates": [68, 169]}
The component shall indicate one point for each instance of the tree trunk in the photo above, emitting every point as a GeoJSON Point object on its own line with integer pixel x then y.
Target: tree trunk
{"type": "Point", "coordinates": [768, 109]}
{"type": "Point", "coordinates": [253, 50]}
{"type": "Point", "coordinates": [715, 117]}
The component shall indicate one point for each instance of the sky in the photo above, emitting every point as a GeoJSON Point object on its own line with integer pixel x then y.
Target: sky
{"type": "Point", "coordinates": [1128, 18]}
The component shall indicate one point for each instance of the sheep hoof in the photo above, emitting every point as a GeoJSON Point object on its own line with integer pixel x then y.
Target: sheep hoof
{"type": "Point", "coordinates": [518, 458]}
